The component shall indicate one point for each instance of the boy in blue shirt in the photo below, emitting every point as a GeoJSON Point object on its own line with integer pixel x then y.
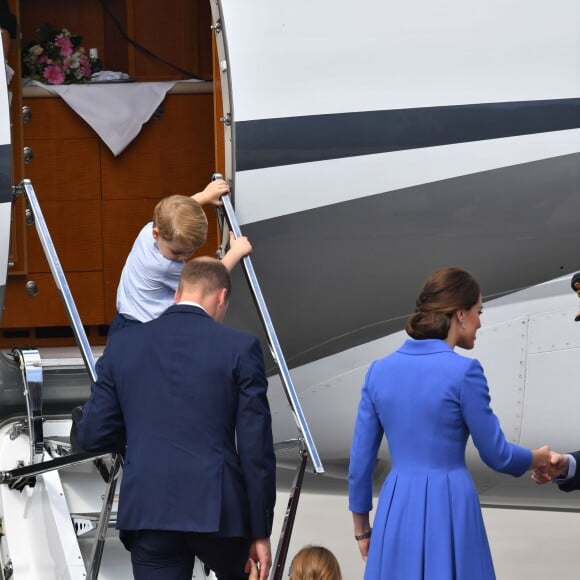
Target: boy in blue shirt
{"type": "Point", "coordinates": [151, 273]}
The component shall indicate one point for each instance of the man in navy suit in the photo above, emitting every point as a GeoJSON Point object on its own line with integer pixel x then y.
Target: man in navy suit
{"type": "Point", "coordinates": [184, 398]}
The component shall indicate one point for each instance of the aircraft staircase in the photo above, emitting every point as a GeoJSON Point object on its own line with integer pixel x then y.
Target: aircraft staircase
{"type": "Point", "coordinates": [63, 502]}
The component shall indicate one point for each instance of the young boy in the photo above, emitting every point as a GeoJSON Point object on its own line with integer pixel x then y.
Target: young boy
{"type": "Point", "coordinates": [151, 272]}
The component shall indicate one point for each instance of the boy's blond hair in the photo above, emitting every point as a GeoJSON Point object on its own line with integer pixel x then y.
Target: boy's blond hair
{"type": "Point", "coordinates": [181, 220]}
{"type": "Point", "coordinates": [315, 563]}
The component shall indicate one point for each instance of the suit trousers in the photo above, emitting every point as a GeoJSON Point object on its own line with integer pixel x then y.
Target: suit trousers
{"type": "Point", "coordinates": [168, 555]}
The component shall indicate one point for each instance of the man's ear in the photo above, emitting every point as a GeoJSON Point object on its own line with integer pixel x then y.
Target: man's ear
{"type": "Point", "coordinates": [223, 297]}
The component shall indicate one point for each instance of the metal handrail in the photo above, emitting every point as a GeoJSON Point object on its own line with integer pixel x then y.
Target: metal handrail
{"type": "Point", "coordinates": [86, 353]}
{"type": "Point", "coordinates": [59, 278]}
{"type": "Point", "coordinates": [13, 477]}
{"type": "Point", "coordinates": [275, 347]}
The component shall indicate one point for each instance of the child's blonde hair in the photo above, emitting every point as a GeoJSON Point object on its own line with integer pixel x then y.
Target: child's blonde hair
{"type": "Point", "coordinates": [181, 220]}
{"type": "Point", "coordinates": [315, 563]}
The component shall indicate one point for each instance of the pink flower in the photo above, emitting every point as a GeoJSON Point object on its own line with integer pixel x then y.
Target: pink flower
{"type": "Point", "coordinates": [65, 45]}
{"type": "Point", "coordinates": [53, 74]}
{"type": "Point", "coordinates": [85, 67]}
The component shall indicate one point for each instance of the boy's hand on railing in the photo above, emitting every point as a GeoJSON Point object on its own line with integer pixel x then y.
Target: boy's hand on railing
{"type": "Point", "coordinates": [239, 247]}
{"type": "Point", "coordinates": [212, 193]}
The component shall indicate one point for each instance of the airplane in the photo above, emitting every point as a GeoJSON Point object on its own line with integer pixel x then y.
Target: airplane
{"type": "Point", "coordinates": [365, 147]}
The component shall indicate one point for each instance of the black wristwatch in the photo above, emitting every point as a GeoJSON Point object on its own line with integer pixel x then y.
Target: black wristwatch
{"type": "Point", "coordinates": [363, 536]}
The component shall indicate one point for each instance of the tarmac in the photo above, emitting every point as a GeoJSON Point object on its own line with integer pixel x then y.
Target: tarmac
{"type": "Point", "coordinates": [525, 544]}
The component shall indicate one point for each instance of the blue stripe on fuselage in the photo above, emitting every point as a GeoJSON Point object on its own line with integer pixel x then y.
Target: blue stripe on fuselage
{"type": "Point", "coordinates": [286, 141]}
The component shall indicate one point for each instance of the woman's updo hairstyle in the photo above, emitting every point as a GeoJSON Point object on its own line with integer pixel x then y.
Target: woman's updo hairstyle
{"type": "Point", "coordinates": [445, 291]}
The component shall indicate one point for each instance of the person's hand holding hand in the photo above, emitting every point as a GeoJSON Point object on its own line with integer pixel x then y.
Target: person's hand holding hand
{"type": "Point", "coordinates": [260, 553]}
{"type": "Point", "coordinates": [557, 467]}
{"type": "Point", "coordinates": [252, 569]}
{"type": "Point", "coordinates": [540, 457]}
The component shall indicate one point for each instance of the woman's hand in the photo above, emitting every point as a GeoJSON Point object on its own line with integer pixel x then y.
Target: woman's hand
{"type": "Point", "coordinates": [362, 527]}
{"type": "Point", "coordinates": [363, 546]}
{"type": "Point", "coordinates": [540, 457]}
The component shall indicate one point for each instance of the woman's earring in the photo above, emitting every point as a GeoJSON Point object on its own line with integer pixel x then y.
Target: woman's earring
{"type": "Point", "coordinates": [462, 324]}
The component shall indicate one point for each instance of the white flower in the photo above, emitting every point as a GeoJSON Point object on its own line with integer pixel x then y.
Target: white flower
{"type": "Point", "coordinates": [74, 60]}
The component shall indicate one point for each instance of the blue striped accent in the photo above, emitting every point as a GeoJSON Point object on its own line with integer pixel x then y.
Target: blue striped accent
{"type": "Point", "coordinates": [289, 140]}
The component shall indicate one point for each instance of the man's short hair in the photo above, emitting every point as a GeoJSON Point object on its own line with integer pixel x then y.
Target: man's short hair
{"type": "Point", "coordinates": [208, 274]}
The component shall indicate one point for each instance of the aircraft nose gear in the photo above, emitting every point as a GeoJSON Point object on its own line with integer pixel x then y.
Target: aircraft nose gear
{"type": "Point", "coordinates": [576, 288]}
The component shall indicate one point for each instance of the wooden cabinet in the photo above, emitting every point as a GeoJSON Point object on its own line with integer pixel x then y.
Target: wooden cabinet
{"type": "Point", "coordinates": [94, 203]}
{"type": "Point", "coordinates": [148, 39]}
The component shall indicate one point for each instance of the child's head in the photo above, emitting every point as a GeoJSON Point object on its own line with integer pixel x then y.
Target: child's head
{"type": "Point", "coordinates": [315, 563]}
{"type": "Point", "coordinates": [179, 226]}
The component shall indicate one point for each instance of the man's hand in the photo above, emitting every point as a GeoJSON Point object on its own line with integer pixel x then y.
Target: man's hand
{"type": "Point", "coordinates": [261, 553]}
{"type": "Point", "coordinates": [556, 468]}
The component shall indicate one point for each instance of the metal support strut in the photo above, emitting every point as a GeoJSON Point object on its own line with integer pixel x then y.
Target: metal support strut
{"type": "Point", "coordinates": [289, 517]}
{"type": "Point", "coordinates": [31, 368]}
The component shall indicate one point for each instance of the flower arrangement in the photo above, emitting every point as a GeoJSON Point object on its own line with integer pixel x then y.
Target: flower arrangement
{"type": "Point", "coordinates": [57, 58]}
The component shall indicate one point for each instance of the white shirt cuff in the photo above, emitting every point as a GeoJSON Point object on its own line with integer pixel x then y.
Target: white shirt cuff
{"type": "Point", "coordinates": [571, 471]}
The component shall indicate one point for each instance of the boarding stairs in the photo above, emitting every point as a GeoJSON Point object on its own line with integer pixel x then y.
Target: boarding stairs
{"type": "Point", "coordinates": [40, 475]}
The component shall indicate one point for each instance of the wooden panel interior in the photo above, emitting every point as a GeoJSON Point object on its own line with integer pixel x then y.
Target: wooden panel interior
{"type": "Point", "coordinates": [130, 33]}
{"type": "Point", "coordinates": [172, 154]}
{"type": "Point", "coordinates": [75, 229]}
{"type": "Point", "coordinates": [93, 202]}
{"type": "Point", "coordinates": [52, 118]}
{"type": "Point", "coordinates": [25, 311]}
{"type": "Point", "coordinates": [65, 169]}
{"type": "Point", "coordinates": [118, 54]}
{"type": "Point", "coordinates": [181, 49]}
{"type": "Point", "coordinates": [82, 17]}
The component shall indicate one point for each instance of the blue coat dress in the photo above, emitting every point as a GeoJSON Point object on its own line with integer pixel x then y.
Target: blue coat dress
{"type": "Point", "coordinates": [427, 400]}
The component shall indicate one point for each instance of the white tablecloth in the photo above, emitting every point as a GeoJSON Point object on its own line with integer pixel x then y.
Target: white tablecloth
{"type": "Point", "coordinates": [116, 111]}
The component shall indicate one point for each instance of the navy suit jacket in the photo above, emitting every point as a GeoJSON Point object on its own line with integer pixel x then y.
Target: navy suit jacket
{"type": "Point", "coordinates": [574, 483]}
{"type": "Point", "coordinates": [187, 396]}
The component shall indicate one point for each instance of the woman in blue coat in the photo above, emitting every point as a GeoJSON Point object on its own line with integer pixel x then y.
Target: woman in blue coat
{"type": "Point", "coordinates": [428, 400]}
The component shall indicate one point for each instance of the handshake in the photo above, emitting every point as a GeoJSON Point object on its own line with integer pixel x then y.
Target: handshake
{"type": "Point", "coordinates": [549, 465]}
